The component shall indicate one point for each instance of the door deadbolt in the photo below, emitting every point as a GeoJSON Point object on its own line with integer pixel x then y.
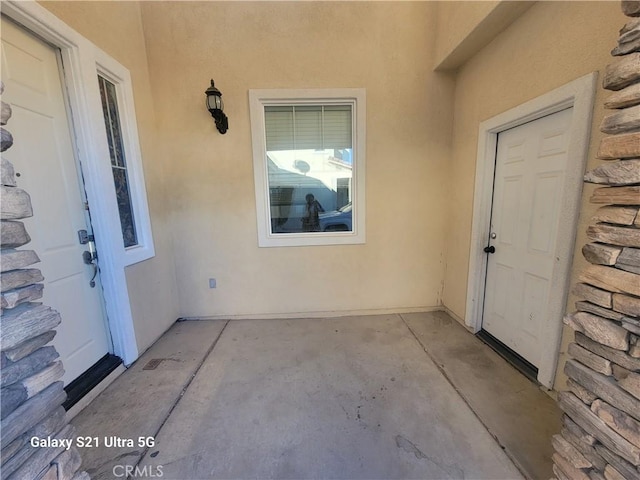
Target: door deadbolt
{"type": "Point", "coordinates": [84, 237]}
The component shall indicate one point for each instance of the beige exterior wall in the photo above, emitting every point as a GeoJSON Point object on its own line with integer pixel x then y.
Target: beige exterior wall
{"type": "Point", "coordinates": [117, 29]}
{"type": "Point", "coordinates": [463, 28]}
{"type": "Point", "coordinates": [420, 163]}
{"type": "Point", "coordinates": [455, 21]}
{"type": "Point", "coordinates": [383, 47]}
{"type": "Point", "coordinates": [552, 44]}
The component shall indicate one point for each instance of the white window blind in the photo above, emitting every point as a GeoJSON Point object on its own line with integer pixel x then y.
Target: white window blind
{"type": "Point", "coordinates": [308, 127]}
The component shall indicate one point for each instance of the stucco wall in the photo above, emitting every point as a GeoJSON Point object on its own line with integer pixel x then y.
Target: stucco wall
{"type": "Point", "coordinates": [383, 47]}
{"type": "Point", "coordinates": [463, 28]}
{"type": "Point", "coordinates": [455, 21]}
{"type": "Point", "coordinates": [420, 172]}
{"type": "Point", "coordinates": [116, 28]}
{"type": "Point", "coordinates": [551, 44]}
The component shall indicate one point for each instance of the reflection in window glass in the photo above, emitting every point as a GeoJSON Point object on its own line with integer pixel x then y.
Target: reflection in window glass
{"type": "Point", "coordinates": [310, 167]}
{"type": "Point", "coordinates": [118, 161]}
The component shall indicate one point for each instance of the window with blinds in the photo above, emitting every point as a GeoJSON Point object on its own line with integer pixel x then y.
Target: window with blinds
{"type": "Point", "coordinates": [308, 156]}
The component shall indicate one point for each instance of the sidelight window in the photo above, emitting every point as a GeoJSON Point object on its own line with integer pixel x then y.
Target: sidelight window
{"type": "Point", "coordinates": [118, 161]}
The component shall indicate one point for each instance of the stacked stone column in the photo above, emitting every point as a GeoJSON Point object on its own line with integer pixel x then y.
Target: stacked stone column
{"type": "Point", "coordinates": [31, 393]}
{"type": "Point", "coordinates": [601, 434]}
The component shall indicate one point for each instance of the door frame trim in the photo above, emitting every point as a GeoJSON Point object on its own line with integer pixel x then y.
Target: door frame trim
{"type": "Point", "coordinates": [80, 58]}
{"type": "Point", "coordinates": [579, 94]}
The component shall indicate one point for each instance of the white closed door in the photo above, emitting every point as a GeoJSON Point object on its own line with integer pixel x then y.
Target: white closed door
{"type": "Point", "coordinates": [44, 158]}
{"type": "Point", "coordinates": [531, 163]}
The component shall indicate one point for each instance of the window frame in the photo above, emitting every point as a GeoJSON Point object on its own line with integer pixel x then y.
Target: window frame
{"type": "Point", "coordinates": [120, 77]}
{"type": "Point", "coordinates": [258, 100]}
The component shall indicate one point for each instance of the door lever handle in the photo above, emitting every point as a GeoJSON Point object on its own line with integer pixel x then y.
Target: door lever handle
{"type": "Point", "coordinates": [490, 249]}
{"type": "Point", "coordinates": [89, 258]}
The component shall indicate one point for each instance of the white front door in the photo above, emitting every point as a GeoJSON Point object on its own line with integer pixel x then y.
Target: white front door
{"type": "Point", "coordinates": [44, 158]}
{"type": "Point", "coordinates": [531, 163]}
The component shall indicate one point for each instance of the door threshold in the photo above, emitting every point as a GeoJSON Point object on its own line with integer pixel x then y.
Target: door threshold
{"type": "Point", "coordinates": [86, 382]}
{"type": "Point", "coordinates": [518, 362]}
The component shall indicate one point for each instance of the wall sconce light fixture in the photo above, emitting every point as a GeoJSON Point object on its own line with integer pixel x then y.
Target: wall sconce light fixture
{"type": "Point", "coordinates": [215, 106]}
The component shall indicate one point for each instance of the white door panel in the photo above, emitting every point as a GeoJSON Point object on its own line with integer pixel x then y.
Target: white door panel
{"type": "Point", "coordinates": [43, 157]}
{"type": "Point", "coordinates": [531, 162]}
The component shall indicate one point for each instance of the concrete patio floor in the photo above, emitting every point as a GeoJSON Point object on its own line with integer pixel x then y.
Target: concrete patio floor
{"type": "Point", "coordinates": [375, 397]}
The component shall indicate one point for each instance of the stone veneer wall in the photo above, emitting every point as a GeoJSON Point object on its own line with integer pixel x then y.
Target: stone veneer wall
{"type": "Point", "coordinates": [601, 434]}
{"type": "Point", "coordinates": [31, 393]}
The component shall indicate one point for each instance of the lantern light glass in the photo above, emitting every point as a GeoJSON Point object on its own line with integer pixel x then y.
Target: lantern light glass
{"type": "Point", "coordinates": [216, 107]}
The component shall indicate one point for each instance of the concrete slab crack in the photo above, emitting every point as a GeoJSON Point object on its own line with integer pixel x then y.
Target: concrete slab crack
{"type": "Point", "coordinates": [410, 447]}
{"type": "Point", "coordinates": [441, 369]}
{"type": "Point", "coordinates": [185, 388]}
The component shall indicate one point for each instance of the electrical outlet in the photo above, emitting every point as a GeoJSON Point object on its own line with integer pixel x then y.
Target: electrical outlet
{"type": "Point", "coordinates": [212, 283]}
